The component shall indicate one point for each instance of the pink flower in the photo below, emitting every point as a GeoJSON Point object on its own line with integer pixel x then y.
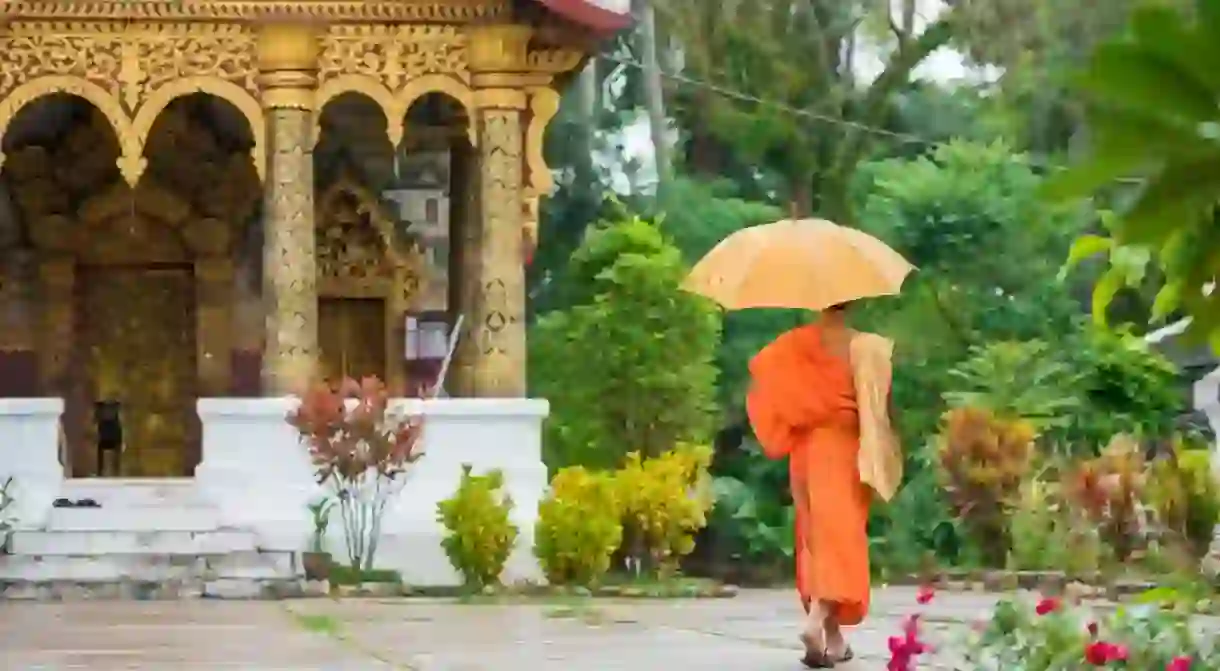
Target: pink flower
{"type": "Point", "coordinates": [904, 649]}
{"type": "Point", "coordinates": [1179, 664]}
{"type": "Point", "coordinates": [925, 595]}
{"type": "Point", "coordinates": [1047, 606]}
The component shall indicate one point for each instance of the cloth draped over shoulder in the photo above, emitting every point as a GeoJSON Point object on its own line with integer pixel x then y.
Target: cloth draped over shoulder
{"type": "Point", "coordinates": [880, 457]}
{"type": "Point", "coordinates": [790, 376]}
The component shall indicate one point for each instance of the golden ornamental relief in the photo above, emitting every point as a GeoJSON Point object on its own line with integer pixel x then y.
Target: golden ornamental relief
{"type": "Point", "coordinates": [131, 72]}
{"type": "Point", "coordinates": [355, 238]}
{"type": "Point", "coordinates": [393, 54]}
{"type": "Point", "coordinates": [359, 250]}
{"type": "Point", "coordinates": [554, 61]}
{"type": "Point", "coordinates": [394, 66]}
{"type": "Point", "coordinates": [128, 60]}
{"type": "Point", "coordinates": [454, 11]}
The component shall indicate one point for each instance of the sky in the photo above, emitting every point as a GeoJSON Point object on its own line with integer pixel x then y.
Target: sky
{"type": "Point", "coordinates": [946, 67]}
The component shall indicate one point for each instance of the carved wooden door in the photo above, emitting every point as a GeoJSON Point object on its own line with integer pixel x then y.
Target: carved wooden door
{"type": "Point", "coordinates": [139, 350]}
{"type": "Point", "coordinates": [351, 336]}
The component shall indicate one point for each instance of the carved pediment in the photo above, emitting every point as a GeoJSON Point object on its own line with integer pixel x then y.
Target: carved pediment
{"type": "Point", "coordinates": [356, 238]}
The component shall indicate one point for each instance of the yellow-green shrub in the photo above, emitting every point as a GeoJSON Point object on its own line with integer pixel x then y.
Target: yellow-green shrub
{"type": "Point", "coordinates": [1185, 494]}
{"type": "Point", "coordinates": [480, 535]}
{"type": "Point", "coordinates": [579, 527]}
{"type": "Point", "coordinates": [665, 500]}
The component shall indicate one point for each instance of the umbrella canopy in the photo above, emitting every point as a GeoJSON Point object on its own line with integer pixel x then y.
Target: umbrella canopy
{"type": "Point", "coordinates": [807, 263]}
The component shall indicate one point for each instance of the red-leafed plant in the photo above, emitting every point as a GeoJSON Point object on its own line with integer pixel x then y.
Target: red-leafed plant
{"type": "Point", "coordinates": [361, 451]}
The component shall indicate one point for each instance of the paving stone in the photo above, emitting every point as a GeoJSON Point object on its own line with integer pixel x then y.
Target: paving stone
{"type": "Point", "coordinates": [756, 631]}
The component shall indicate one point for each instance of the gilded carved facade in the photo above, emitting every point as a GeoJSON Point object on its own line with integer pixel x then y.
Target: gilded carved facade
{"type": "Point", "coordinates": [152, 201]}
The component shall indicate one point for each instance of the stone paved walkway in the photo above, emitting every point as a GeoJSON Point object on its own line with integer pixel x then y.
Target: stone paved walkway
{"type": "Point", "coordinates": [753, 632]}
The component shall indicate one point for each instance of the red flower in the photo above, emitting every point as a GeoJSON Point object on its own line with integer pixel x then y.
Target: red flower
{"type": "Point", "coordinates": [925, 595]}
{"type": "Point", "coordinates": [1097, 653]}
{"type": "Point", "coordinates": [1047, 606]}
{"type": "Point", "coordinates": [1179, 664]}
{"type": "Point", "coordinates": [1093, 629]}
{"type": "Point", "coordinates": [1100, 653]}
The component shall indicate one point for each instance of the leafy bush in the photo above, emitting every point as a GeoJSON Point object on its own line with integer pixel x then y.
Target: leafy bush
{"type": "Point", "coordinates": [1016, 380]}
{"type": "Point", "coordinates": [665, 501]}
{"type": "Point", "coordinates": [361, 452]}
{"type": "Point", "coordinates": [1048, 535]}
{"type": "Point", "coordinates": [1126, 387]}
{"type": "Point", "coordinates": [579, 527]}
{"type": "Point", "coordinates": [1049, 636]}
{"type": "Point", "coordinates": [756, 527]}
{"type": "Point", "coordinates": [480, 534]}
{"type": "Point", "coordinates": [1109, 489]}
{"type": "Point", "coordinates": [983, 460]}
{"type": "Point", "coordinates": [632, 364]}
{"type": "Point", "coordinates": [1184, 492]}
{"type": "Point", "coordinates": [916, 531]}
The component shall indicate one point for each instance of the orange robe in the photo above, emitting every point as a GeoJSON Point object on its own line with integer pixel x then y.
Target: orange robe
{"type": "Point", "coordinates": [802, 405]}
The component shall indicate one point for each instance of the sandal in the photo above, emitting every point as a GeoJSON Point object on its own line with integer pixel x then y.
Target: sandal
{"type": "Point", "coordinates": [814, 658]}
{"type": "Point", "coordinates": [817, 660]}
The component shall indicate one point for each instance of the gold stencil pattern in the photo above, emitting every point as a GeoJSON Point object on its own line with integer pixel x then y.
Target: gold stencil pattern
{"type": "Point", "coordinates": [289, 258]}
{"type": "Point", "coordinates": [499, 320]}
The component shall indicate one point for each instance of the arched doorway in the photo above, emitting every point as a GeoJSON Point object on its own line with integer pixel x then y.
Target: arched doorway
{"type": "Point", "coordinates": [135, 283]}
{"type": "Point", "coordinates": [369, 265]}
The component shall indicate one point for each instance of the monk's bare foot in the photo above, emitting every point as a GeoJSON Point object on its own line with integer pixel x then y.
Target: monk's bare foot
{"type": "Point", "coordinates": [813, 637]}
{"type": "Point", "coordinates": [836, 646]}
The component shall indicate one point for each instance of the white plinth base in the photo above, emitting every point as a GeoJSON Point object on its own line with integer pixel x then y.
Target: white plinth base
{"type": "Point", "coordinates": [29, 454]}
{"type": "Point", "coordinates": [258, 475]}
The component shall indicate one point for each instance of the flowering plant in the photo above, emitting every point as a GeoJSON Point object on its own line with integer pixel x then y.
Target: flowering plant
{"type": "Point", "coordinates": [360, 451]}
{"type": "Point", "coordinates": [1051, 636]}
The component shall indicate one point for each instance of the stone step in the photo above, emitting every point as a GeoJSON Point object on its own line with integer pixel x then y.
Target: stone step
{"type": "Point", "coordinates": [145, 590]}
{"type": "Point", "coordinates": [134, 492]}
{"type": "Point", "coordinates": [132, 542]}
{"type": "Point", "coordinates": [179, 518]}
{"type": "Point", "coordinates": [147, 567]}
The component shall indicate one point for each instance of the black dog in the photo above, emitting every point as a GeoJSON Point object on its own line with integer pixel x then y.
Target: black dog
{"type": "Point", "coordinates": [107, 416]}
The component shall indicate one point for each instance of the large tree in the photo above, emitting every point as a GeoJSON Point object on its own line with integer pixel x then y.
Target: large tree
{"type": "Point", "coordinates": [778, 90]}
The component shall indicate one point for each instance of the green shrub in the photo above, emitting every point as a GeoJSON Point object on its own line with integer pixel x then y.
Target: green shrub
{"type": "Point", "coordinates": [579, 527]}
{"type": "Point", "coordinates": [665, 501]}
{"type": "Point", "coordinates": [1184, 492]}
{"type": "Point", "coordinates": [480, 535]}
{"type": "Point", "coordinates": [1048, 536]}
{"type": "Point", "coordinates": [631, 363]}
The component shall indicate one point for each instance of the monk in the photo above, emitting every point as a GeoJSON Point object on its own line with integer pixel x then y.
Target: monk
{"type": "Point", "coordinates": [819, 393]}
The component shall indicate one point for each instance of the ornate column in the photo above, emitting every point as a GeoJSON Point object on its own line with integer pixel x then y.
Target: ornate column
{"type": "Point", "coordinates": [498, 64]}
{"type": "Point", "coordinates": [464, 233]}
{"type": "Point", "coordinates": [287, 62]}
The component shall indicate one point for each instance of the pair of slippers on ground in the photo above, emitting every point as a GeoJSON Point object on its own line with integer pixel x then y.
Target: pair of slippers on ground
{"type": "Point", "coordinates": [79, 503]}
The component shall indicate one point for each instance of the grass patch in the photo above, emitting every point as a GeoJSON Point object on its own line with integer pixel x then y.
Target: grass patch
{"type": "Point", "coordinates": [319, 624]}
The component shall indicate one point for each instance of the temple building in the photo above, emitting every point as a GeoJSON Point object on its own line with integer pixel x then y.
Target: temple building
{"type": "Point", "coordinates": [224, 198]}
{"type": "Point", "coordinates": [206, 205]}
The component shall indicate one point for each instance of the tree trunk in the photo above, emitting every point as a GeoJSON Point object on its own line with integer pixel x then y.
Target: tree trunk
{"type": "Point", "coordinates": [587, 98]}
{"type": "Point", "coordinates": [654, 92]}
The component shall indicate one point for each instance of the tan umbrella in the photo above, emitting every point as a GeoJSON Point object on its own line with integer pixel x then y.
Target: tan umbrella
{"type": "Point", "coordinates": [807, 263]}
